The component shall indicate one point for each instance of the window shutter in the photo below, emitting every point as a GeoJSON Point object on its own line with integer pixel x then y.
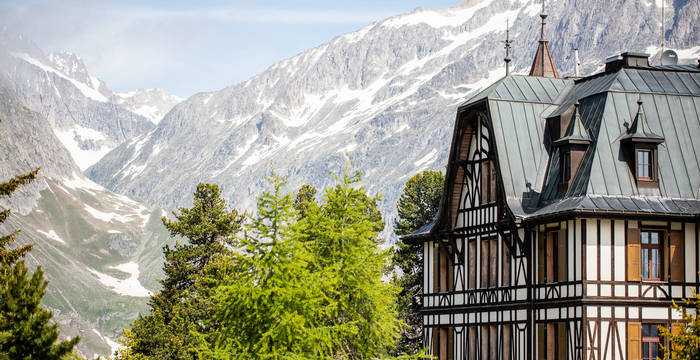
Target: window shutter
{"type": "Point", "coordinates": [634, 253]}
{"type": "Point", "coordinates": [541, 242]}
{"type": "Point", "coordinates": [677, 258]}
{"type": "Point", "coordinates": [562, 256]}
{"type": "Point", "coordinates": [541, 343]}
{"type": "Point", "coordinates": [634, 341]}
{"type": "Point", "coordinates": [677, 329]}
{"type": "Point", "coordinates": [561, 341]}
{"type": "Point", "coordinates": [551, 341]}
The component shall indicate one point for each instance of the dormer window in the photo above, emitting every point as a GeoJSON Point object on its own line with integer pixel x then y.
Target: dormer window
{"type": "Point", "coordinates": [572, 148]}
{"type": "Point", "coordinates": [565, 167]}
{"type": "Point", "coordinates": [641, 146]}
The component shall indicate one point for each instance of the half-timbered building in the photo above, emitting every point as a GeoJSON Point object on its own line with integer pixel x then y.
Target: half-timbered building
{"type": "Point", "coordinates": [569, 219]}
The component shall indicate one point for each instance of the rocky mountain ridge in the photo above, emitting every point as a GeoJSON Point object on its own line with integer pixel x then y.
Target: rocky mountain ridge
{"type": "Point", "coordinates": [100, 251]}
{"type": "Point", "coordinates": [385, 95]}
{"type": "Point", "coordinates": [88, 118]}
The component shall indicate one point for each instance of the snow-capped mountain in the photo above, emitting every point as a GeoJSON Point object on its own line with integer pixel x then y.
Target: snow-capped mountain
{"type": "Point", "coordinates": [152, 104]}
{"type": "Point", "coordinates": [386, 95]}
{"type": "Point", "coordinates": [100, 251]}
{"type": "Point", "coordinates": [88, 118]}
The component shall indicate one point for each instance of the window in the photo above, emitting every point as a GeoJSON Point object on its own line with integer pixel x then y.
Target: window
{"type": "Point", "coordinates": [488, 182]}
{"type": "Point", "coordinates": [506, 266]}
{"type": "Point", "coordinates": [551, 257]}
{"type": "Point", "coordinates": [644, 165]}
{"type": "Point", "coordinates": [489, 263]}
{"type": "Point", "coordinates": [472, 256]}
{"type": "Point", "coordinates": [651, 255]}
{"type": "Point", "coordinates": [650, 341]}
{"type": "Point", "coordinates": [566, 167]}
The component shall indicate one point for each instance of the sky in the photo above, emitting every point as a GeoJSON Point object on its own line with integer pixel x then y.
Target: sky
{"type": "Point", "coordinates": [187, 47]}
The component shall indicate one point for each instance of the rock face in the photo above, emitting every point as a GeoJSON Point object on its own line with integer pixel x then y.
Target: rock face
{"type": "Point", "coordinates": [86, 116]}
{"type": "Point", "coordinates": [386, 95]}
{"type": "Point", "coordinates": [152, 104]}
{"type": "Point", "coordinates": [100, 251]}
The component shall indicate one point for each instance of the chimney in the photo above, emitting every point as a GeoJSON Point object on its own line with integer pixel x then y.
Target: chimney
{"type": "Point", "coordinates": [626, 59]}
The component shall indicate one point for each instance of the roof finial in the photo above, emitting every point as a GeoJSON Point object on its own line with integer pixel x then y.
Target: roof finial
{"type": "Point", "coordinates": [543, 64]}
{"type": "Point", "coordinates": [543, 15]}
{"type": "Point", "coordinates": [507, 43]}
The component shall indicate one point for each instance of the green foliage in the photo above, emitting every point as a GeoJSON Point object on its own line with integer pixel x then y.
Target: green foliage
{"type": "Point", "coordinates": [305, 195]}
{"type": "Point", "coordinates": [684, 337]}
{"type": "Point", "coordinates": [25, 328]}
{"type": "Point", "coordinates": [417, 206]}
{"type": "Point", "coordinates": [306, 287]}
{"type": "Point", "coordinates": [9, 257]}
{"type": "Point", "coordinates": [342, 234]}
{"type": "Point", "coordinates": [268, 301]}
{"type": "Point", "coordinates": [180, 308]}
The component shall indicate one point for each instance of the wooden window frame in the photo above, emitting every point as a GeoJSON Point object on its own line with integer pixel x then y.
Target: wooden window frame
{"type": "Point", "coordinates": [565, 167]}
{"type": "Point", "coordinates": [648, 166]}
{"type": "Point", "coordinates": [653, 166]}
{"type": "Point", "coordinates": [552, 256]}
{"type": "Point", "coordinates": [651, 340]}
{"type": "Point", "coordinates": [489, 269]}
{"type": "Point", "coordinates": [661, 264]}
{"type": "Point", "coordinates": [488, 182]}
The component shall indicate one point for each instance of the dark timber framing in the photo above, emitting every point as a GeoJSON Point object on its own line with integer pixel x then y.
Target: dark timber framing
{"type": "Point", "coordinates": [483, 295]}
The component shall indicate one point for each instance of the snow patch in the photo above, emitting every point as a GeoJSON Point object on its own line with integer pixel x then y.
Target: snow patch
{"type": "Point", "coordinates": [129, 286]}
{"type": "Point", "coordinates": [51, 234]}
{"type": "Point", "coordinates": [80, 182]}
{"type": "Point", "coordinates": [113, 345]}
{"type": "Point", "coordinates": [84, 158]}
{"type": "Point", "coordinates": [426, 160]}
{"type": "Point", "coordinates": [437, 18]}
{"type": "Point", "coordinates": [86, 89]}
{"type": "Point", "coordinates": [348, 148]}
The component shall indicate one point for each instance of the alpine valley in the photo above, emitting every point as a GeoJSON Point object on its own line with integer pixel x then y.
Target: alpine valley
{"type": "Point", "coordinates": [384, 96]}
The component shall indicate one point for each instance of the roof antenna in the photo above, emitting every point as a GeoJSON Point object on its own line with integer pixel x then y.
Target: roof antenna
{"type": "Point", "coordinates": [507, 43]}
{"type": "Point", "coordinates": [663, 35]}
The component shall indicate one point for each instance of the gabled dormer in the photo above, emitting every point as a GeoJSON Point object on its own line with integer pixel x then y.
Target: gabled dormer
{"type": "Point", "coordinates": [640, 147]}
{"type": "Point", "coordinates": [572, 148]}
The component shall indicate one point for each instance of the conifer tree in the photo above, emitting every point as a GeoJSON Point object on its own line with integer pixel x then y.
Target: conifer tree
{"type": "Point", "coordinates": [417, 206]}
{"type": "Point", "coordinates": [305, 195]}
{"type": "Point", "coordinates": [342, 235]}
{"type": "Point", "coordinates": [180, 308]}
{"type": "Point", "coordinates": [270, 304]}
{"type": "Point", "coordinates": [26, 331]}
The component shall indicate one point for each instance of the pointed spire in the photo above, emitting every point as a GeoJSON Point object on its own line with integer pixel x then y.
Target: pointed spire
{"type": "Point", "coordinates": [578, 133]}
{"type": "Point", "coordinates": [543, 64]}
{"type": "Point", "coordinates": [638, 130]}
{"type": "Point", "coordinates": [507, 43]}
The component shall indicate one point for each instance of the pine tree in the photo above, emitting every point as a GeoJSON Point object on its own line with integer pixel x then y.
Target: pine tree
{"type": "Point", "coordinates": [26, 331]}
{"type": "Point", "coordinates": [417, 206]}
{"type": "Point", "coordinates": [180, 308]}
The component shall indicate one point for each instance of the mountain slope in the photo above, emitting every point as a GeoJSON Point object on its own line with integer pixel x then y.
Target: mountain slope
{"type": "Point", "coordinates": [100, 251]}
{"type": "Point", "coordinates": [85, 114]}
{"type": "Point", "coordinates": [386, 95]}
